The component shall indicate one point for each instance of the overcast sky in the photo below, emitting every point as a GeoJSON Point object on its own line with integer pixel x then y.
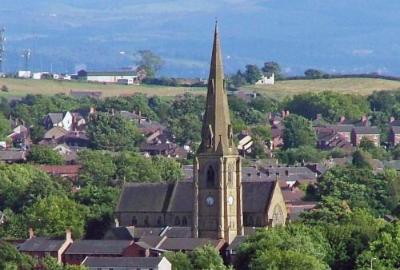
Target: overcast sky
{"type": "Point", "coordinates": [348, 36]}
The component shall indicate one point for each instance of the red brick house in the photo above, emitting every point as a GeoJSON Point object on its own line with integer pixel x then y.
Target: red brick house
{"type": "Point", "coordinates": [70, 172]}
{"type": "Point", "coordinates": [79, 250]}
{"type": "Point", "coordinates": [370, 133]}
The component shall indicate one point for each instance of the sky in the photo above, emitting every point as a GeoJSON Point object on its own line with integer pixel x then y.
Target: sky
{"type": "Point", "coordinates": [336, 36]}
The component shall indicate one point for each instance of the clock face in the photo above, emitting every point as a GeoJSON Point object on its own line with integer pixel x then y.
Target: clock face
{"type": "Point", "coordinates": [230, 200]}
{"type": "Point", "coordinates": [210, 201]}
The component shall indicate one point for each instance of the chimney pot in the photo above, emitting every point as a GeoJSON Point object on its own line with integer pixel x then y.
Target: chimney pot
{"type": "Point", "coordinates": [31, 233]}
{"type": "Point", "coordinates": [68, 235]}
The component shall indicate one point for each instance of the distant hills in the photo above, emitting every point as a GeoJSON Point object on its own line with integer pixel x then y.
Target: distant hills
{"type": "Point", "coordinates": [347, 36]}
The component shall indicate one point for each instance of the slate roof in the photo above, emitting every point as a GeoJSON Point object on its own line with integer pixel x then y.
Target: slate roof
{"type": "Point", "coordinates": [55, 117]}
{"type": "Point", "coordinates": [151, 240]}
{"type": "Point", "coordinates": [177, 232]}
{"type": "Point", "coordinates": [256, 195]}
{"type": "Point", "coordinates": [393, 164]}
{"type": "Point", "coordinates": [98, 247]}
{"type": "Point", "coordinates": [41, 244]}
{"type": "Point", "coordinates": [55, 132]}
{"type": "Point", "coordinates": [187, 243]}
{"type": "Point", "coordinates": [395, 129]}
{"type": "Point", "coordinates": [120, 233]}
{"type": "Point", "coordinates": [342, 127]}
{"type": "Point", "coordinates": [237, 242]}
{"type": "Point", "coordinates": [12, 155]}
{"type": "Point", "coordinates": [131, 262]}
{"type": "Point", "coordinates": [367, 130]}
{"type": "Point", "coordinates": [182, 190]}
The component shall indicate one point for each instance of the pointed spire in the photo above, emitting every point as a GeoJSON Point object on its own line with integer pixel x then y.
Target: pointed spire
{"type": "Point", "coordinates": [217, 131]}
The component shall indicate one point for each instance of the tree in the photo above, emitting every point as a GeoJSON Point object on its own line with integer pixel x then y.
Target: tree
{"type": "Point", "coordinates": [169, 169]}
{"type": "Point", "coordinates": [4, 127]}
{"type": "Point", "coordinates": [113, 133]}
{"type": "Point", "coordinates": [262, 131]}
{"type": "Point", "coordinates": [207, 257]}
{"type": "Point", "coordinates": [238, 79]}
{"type": "Point", "coordinates": [306, 153]}
{"type": "Point", "coordinates": [98, 167]}
{"type": "Point", "coordinates": [272, 68]}
{"type": "Point", "coordinates": [362, 159]}
{"type": "Point", "coordinates": [252, 74]}
{"type": "Point", "coordinates": [282, 247]}
{"type": "Point", "coordinates": [136, 168]}
{"type": "Point", "coordinates": [298, 131]}
{"type": "Point", "coordinates": [179, 260]}
{"type": "Point", "coordinates": [51, 216]}
{"type": "Point", "coordinates": [11, 258]}
{"type": "Point", "coordinates": [264, 104]}
{"type": "Point", "coordinates": [186, 128]}
{"type": "Point", "coordinates": [313, 74]}
{"type": "Point", "coordinates": [42, 154]}
{"type": "Point", "coordinates": [149, 62]}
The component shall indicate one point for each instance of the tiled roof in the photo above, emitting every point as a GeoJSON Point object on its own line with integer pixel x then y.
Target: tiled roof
{"type": "Point", "coordinates": [55, 118]}
{"type": "Point", "coordinates": [61, 169]}
{"type": "Point", "coordinates": [187, 243]}
{"type": "Point", "coordinates": [237, 242]}
{"type": "Point", "coordinates": [55, 133]}
{"type": "Point", "coordinates": [123, 262]}
{"type": "Point", "coordinates": [12, 155]}
{"type": "Point", "coordinates": [41, 244]}
{"type": "Point", "coordinates": [366, 130]}
{"type": "Point", "coordinates": [98, 247]}
{"type": "Point", "coordinates": [256, 195]}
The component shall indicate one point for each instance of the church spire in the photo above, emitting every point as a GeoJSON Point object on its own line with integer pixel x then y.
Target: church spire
{"type": "Point", "coordinates": [217, 130]}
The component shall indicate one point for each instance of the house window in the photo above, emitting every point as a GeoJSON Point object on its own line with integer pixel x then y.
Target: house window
{"type": "Point", "coordinates": [134, 221]}
{"type": "Point", "coordinates": [210, 177]}
{"type": "Point", "coordinates": [184, 221]}
{"type": "Point", "coordinates": [177, 221]}
{"type": "Point", "coordinates": [146, 221]}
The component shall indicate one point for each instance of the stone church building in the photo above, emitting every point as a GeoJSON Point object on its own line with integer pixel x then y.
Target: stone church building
{"type": "Point", "coordinates": [216, 203]}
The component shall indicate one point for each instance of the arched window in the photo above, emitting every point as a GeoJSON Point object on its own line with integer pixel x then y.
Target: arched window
{"type": "Point", "coordinates": [258, 222]}
{"type": "Point", "coordinates": [177, 221]}
{"type": "Point", "coordinates": [210, 177]}
{"type": "Point", "coordinates": [146, 221]}
{"type": "Point", "coordinates": [250, 221]}
{"type": "Point", "coordinates": [134, 221]}
{"type": "Point", "coordinates": [277, 216]}
{"type": "Point", "coordinates": [184, 221]}
{"type": "Point", "coordinates": [159, 221]}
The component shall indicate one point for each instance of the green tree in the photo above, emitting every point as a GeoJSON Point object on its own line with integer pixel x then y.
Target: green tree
{"type": "Point", "coordinates": [264, 104]}
{"type": "Point", "coordinates": [262, 131]}
{"type": "Point", "coordinates": [98, 167]}
{"type": "Point", "coordinates": [4, 127]}
{"type": "Point", "coordinates": [113, 132]}
{"type": "Point", "coordinates": [313, 74]}
{"type": "Point", "coordinates": [136, 168]}
{"type": "Point", "coordinates": [179, 260]}
{"type": "Point", "coordinates": [11, 258]}
{"type": "Point", "coordinates": [298, 131]}
{"type": "Point", "coordinates": [238, 79]}
{"type": "Point", "coordinates": [42, 154]}
{"type": "Point", "coordinates": [207, 257]}
{"type": "Point", "coordinates": [170, 170]}
{"type": "Point", "coordinates": [282, 247]}
{"type": "Point", "coordinates": [186, 128]}
{"type": "Point", "coordinates": [362, 159]}
{"type": "Point", "coordinates": [306, 153]}
{"type": "Point", "coordinates": [51, 216]}
{"type": "Point", "coordinates": [252, 74]}
{"type": "Point", "coordinates": [149, 62]}
{"type": "Point", "coordinates": [270, 68]}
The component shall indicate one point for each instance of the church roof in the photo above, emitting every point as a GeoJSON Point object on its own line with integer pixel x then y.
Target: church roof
{"type": "Point", "coordinates": [178, 197]}
{"type": "Point", "coordinates": [256, 195]}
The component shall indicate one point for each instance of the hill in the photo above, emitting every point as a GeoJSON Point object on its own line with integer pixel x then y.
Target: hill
{"type": "Point", "coordinates": [362, 86]}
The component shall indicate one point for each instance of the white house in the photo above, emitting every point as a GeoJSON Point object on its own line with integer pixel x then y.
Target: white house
{"type": "Point", "coordinates": [127, 263]}
{"type": "Point", "coordinates": [24, 74]}
{"type": "Point", "coordinates": [63, 120]}
{"type": "Point", "coordinates": [113, 77]}
{"type": "Point", "coordinates": [265, 80]}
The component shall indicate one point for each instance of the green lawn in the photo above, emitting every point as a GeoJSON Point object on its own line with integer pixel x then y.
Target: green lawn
{"type": "Point", "coordinates": [363, 86]}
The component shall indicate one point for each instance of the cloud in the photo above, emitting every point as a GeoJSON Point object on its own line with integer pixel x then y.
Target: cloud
{"type": "Point", "coordinates": [362, 52]}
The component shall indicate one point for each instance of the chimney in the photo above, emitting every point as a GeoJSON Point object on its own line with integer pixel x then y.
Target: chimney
{"type": "Point", "coordinates": [342, 119]}
{"type": "Point", "coordinates": [116, 221]}
{"type": "Point", "coordinates": [31, 233]}
{"type": "Point", "coordinates": [68, 235]}
{"type": "Point", "coordinates": [364, 119]}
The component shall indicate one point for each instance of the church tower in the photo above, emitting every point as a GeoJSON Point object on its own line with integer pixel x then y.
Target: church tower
{"type": "Point", "coordinates": [217, 211]}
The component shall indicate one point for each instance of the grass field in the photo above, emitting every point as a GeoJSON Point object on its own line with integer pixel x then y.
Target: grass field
{"type": "Point", "coordinates": [363, 86]}
{"type": "Point", "coordinates": [21, 87]}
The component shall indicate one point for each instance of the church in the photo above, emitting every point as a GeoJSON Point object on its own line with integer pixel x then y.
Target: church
{"type": "Point", "coordinates": [216, 203]}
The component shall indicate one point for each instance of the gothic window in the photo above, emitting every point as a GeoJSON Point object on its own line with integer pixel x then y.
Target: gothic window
{"type": "Point", "coordinates": [184, 221]}
{"type": "Point", "coordinates": [177, 221]}
{"type": "Point", "coordinates": [134, 221]}
{"type": "Point", "coordinates": [159, 221]}
{"type": "Point", "coordinates": [277, 216]}
{"type": "Point", "coordinates": [258, 222]}
{"type": "Point", "coordinates": [146, 221]}
{"type": "Point", "coordinates": [230, 176]}
{"type": "Point", "coordinates": [210, 177]}
{"type": "Point", "coordinates": [250, 221]}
